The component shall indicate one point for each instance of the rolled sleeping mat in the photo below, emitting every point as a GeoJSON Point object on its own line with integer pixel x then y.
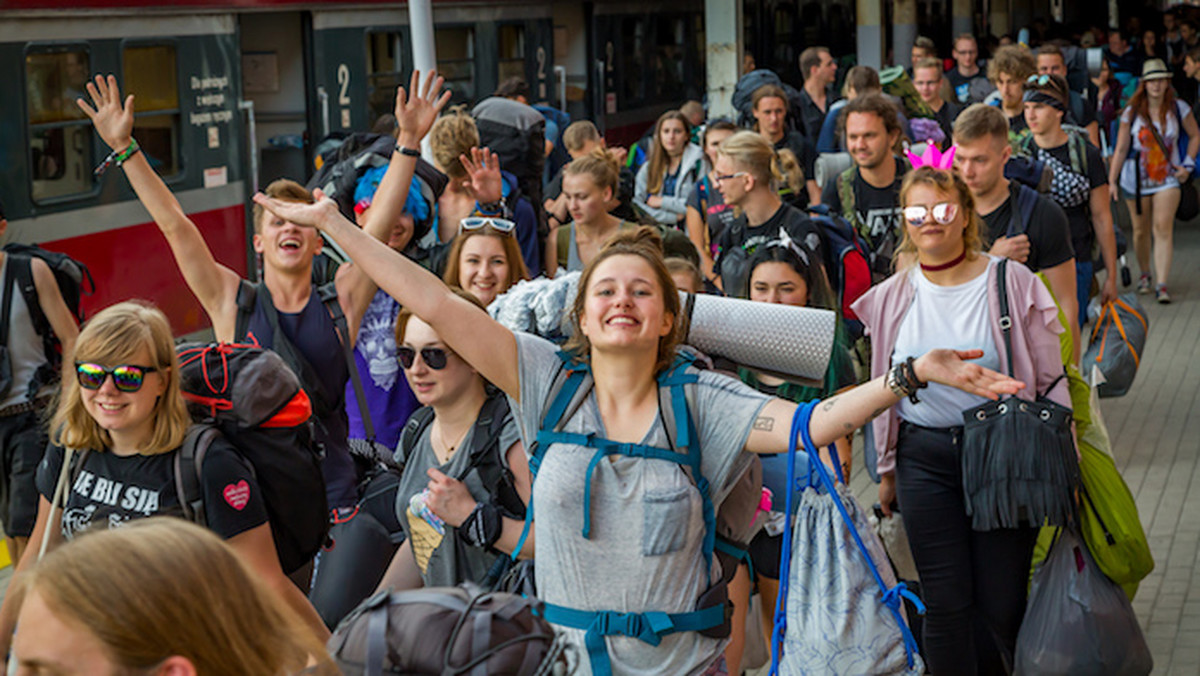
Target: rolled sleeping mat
{"type": "Point", "coordinates": [781, 340]}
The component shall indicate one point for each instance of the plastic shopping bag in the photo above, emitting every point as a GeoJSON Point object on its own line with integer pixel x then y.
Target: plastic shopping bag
{"type": "Point", "coordinates": [1078, 621]}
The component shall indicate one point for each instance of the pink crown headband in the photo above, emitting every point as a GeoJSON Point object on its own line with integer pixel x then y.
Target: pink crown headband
{"type": "Point", "coordinates": [932, 157]}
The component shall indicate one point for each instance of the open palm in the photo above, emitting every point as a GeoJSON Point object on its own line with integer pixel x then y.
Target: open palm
{"type": "Point", "coordinates": [418, 107]}
{"type": "Point", "coordinates": [112, 119]}
{"type": "Point", "coordinates": [316, 215]}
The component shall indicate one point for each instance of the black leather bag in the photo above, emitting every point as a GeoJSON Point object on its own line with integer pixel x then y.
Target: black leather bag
{"type": "Point", "coordinates": [1018, 457]}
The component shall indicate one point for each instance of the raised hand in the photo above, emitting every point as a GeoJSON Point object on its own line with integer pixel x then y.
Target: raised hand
{"type": "Point", "coordinates": [416, 113]}
{"type": "Point", "coordinates": [316, 215]}
{"type": "Point", "coordinates": [113, 121]}
{"type": "Point", "coordinates": [949, 367]}
{"type": "Point", "coordinates": [483, 168]}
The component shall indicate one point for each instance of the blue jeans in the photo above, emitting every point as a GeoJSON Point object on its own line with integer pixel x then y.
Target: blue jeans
{"type": "Point", "coordinates": [1083, 287]}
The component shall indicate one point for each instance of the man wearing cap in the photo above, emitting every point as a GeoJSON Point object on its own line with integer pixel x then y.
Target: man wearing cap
{"type": "Point", "coordinates": [1151, 169]}
{"type": "Point", "coordinates": [1082, 113]}
{"type": "Point", "coordinates": [1080, 184]}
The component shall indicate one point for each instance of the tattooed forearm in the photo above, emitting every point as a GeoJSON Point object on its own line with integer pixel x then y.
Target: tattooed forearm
{"type": "Point", "coordinates": [828, 405]}
{"type": "Point", "coordinates": [764, 424]}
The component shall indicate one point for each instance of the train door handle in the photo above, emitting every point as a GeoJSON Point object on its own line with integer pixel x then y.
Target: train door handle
{"type": "Point", "coordinates": [323, 97]}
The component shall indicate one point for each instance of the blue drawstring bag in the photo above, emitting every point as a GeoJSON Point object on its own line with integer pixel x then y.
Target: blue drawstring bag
{"type": "Point", "coordinates": [839, 605]}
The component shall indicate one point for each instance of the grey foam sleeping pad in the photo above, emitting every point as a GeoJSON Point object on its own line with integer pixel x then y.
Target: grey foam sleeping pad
{"type": "Point", "coordinates": [792, 342]}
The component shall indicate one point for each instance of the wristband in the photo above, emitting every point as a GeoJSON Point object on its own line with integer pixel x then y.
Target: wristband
{"type": "Point", "coordinates": [491, 208]}
{"type": "Point", "coordinates": [914, 383]}
{"type": "Point", "coordinates": [407, 152]}
{"type": "Point", "coordinates": [482, 528]}
{"type": "Point", "coordinates": [117, 157]}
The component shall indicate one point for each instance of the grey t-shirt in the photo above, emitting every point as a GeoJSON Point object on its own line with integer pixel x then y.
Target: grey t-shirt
{"type": "Point", "coordinates": [644, 552]}
{"type": "Point", "coordinates": [443, 559]}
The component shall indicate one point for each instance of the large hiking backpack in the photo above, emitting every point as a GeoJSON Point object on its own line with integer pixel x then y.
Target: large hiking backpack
{"type": "Point", "coordinates": [522, 151]}
{"type": "Point", "coordinates": [847, 264]}
{"type": "Point", "coordinates": [884, 244]}
{"type": "Point", "coordinates": [249, 395]}
{"type": "Point", "coordinates": [727, 532]}
{"type": "Point", "coordinates": [743, 97]}
{"type": "Point", "coordinates": [447, 630]}
{"type": "Point", "coordinates": [74, 281]}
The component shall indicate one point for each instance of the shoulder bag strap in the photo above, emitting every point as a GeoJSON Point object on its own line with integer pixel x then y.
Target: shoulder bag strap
{"type": "Point", "coordinates": [6, 304]}
{"type": "Point", "coordinates": [59, 501]}
{"type": "Point", "coordinates": [1005, 315]}
{"type": "Point", "coordinates": [247, 298]}
{"type": "Point", "coordinates": [329, 298]}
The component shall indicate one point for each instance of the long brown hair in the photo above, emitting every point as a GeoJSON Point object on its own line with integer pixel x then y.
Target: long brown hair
{"type": "Point", "coordinates": [114, 336]}
{"type": "Point", "coordinates": [512, 251]}
{"type": "Point", "coordinates": [646, 243]}
{"type": "Point", "coordinates": [1139, 103]}
{"type": "Point", "coordinates": [162, 587]}
{"type": "Point", "coordinates": [656, 168]}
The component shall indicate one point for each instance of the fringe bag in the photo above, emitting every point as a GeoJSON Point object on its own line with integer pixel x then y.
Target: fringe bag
{"type": "Point", "coordinates": [1018, 457]}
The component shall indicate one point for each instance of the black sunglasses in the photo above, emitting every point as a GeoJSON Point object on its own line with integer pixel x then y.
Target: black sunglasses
{"type": "Point", "coordinates": [126, 377]}
{"type": "Point", "coordinates": [434, 357]}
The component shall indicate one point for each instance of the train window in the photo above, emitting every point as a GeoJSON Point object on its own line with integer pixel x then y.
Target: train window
{"type": "Point", "coordinates": [512, 52]}
{"type": "Point", "coordinates": [669, 45]}
{"type": "Point", "coordinates": [151, 75]}
{"type": "Point", "coordinates": [632, 52]}
{"type": "Point", "coordinates": [384, 72]}
{"type": "Point", "coordinates": [456, 60]}
{"type": "Point", "coordinates": [60, 135]}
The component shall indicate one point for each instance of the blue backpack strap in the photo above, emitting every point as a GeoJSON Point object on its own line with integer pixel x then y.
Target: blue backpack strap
{"type": "Point", "coordinates": [688, 441]}
{"type": "Point", "coordinates": [890, 596]}
{"type": "Point", "coordinates": [548, 433]}
{"type": "Point", "coordinates": [1021, 210]}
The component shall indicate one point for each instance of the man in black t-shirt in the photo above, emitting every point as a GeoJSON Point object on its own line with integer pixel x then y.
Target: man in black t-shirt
{"type": "Point", "coordinates": [1080, 184]}
{"type": "Point", "coordinates": [1081, 112]}
{"type": "Point", "coordinates": [1020, 224]}
{"type": "Point", "coordinates": [820, 72]}
{"type": "Point", "coordinates": [868, 194]}
{"type": "Point", "coordinates": [927, 78]}
{"type": "Point", "coordinates": [967, 81]}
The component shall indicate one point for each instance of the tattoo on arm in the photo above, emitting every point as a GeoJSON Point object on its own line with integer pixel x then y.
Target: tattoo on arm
{"type": "Point", "coordinates": [828, 405]}
{"type": "Point", "coordinates": [878, 412]}
{"type": "Point", "coordinates": [764, 424]}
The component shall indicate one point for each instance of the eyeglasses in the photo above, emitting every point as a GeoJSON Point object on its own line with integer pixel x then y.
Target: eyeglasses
{"type": "Point", "coordinates": [434, 357]}
{"type": "Point", "coordinates": [725, 177]}
{"type": "Point", "coordinates": [478, 222]}
{"type": "Point", "coordinates": [1039, 80]}
{"type": "Point", "coordinates": [126, 377]}
{"type": "Point", "coordinates": [943, 213]}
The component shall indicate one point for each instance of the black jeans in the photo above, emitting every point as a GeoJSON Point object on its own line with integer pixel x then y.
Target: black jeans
{"type": "Point", "coordinates": [973, 582]}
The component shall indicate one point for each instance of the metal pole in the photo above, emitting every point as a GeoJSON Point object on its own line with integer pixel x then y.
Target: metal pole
{"type": "Point", "coordinates": [904, 31]}
{"type": "Point", "coordinates": [420, 20]}
{"type": "Point", "coordinates": [870, 33]}
{"type": "Point", "coordinates": [723, 33]}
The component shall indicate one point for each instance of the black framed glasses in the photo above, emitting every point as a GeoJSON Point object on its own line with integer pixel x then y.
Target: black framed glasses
{"type": "Point", "coordinates": [126, 377]}
{"type": "Point", "coordinates": [434, 357]}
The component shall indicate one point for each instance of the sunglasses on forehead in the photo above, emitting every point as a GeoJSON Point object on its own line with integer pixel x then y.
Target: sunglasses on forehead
{"type": "Point", "coordinates": [434, 357]}
{"type": "Point", "coordinates": [126, 377]}
{"type": "Point", "coordinates": [470, 223]}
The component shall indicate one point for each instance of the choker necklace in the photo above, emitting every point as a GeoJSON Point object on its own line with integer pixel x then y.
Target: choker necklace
{"type": "Point", "coordinates": [945, 266]}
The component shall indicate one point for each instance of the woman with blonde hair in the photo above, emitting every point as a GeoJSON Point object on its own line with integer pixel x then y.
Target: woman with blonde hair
{"type": "Point", "coordinates": [973, 581]}
{"type": "Point", "coordinates": [159, 596]}
{"type": "Point", "coordinates": [747, 175]}
{"type": "Point", "coordinates": [611, 584]}
{"type": "Point", "coordinates": [123, 417]}
{"type": "Point", "coordinates": [665, 181]}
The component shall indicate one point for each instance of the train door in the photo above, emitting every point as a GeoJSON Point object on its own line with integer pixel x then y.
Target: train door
{"type": "Point", "coordinates": [275, 82]}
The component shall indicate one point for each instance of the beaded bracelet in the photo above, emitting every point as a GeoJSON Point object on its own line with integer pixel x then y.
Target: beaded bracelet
{"type": "Point", "coordinates": [118, 158]}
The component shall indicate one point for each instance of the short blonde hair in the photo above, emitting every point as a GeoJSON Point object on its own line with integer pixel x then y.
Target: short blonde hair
{"type": "Point", "coordinates": [453, 134]}
{"type": "Point", "coordinates": [284, 189]}
{"type": "Point", "coordinates": [114, 336]}
{"type": "Point", "coordinates": [161, 587]}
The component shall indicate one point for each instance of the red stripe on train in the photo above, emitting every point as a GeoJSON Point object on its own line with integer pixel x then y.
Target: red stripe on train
{"type": "Point", "coordinates": [135, 262]}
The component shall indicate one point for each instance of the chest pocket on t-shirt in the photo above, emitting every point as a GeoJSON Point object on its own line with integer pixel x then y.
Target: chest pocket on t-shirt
{"type": "Point", "coordinates": [1068, 188]}
{"type": "Point", "coordinates": [666, 513]}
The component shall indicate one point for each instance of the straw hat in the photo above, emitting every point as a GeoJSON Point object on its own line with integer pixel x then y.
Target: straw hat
{"type": "Point", "coordinates": [1155, 69]}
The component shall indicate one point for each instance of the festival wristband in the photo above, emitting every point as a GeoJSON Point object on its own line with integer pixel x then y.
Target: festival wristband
{"type": "Point", "coordinates": [117, 158]}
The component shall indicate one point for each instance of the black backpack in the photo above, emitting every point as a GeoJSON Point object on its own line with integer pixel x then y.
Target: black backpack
{"type": "Point", "coordinates": [847, 263]}
{"type": "Point", "coordinates": [249, 395]}
{"type": "Point", "coordinates": [74, 281]}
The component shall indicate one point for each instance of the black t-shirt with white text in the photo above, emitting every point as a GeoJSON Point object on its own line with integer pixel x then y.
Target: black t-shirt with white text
{"type": "Point", "coordinates": [1048, 231]}
{"type": "Point", "coordinates": [877, 212]}
{"type": "Point", "coordinates": [110, 490]}
{"type": "Point", "coordinates": [799, 228]}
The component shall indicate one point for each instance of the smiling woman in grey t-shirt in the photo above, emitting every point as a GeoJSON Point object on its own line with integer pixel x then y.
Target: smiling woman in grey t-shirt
{"type": "Point", "coordinates": [623, 585]}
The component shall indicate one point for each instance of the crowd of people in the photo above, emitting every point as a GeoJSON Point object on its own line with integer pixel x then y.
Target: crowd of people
{"type": "Point", "coordinates": [934, 174]}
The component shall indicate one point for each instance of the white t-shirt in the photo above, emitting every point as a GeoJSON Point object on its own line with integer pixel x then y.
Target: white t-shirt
{"type": "Point", "coordinates": [1157, 170]}
{"type": "Point", "coordinates": [955, 317]}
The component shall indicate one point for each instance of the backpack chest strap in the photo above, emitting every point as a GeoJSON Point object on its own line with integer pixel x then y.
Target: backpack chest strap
{"type": "Point", "coordinates": [647, 627]}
